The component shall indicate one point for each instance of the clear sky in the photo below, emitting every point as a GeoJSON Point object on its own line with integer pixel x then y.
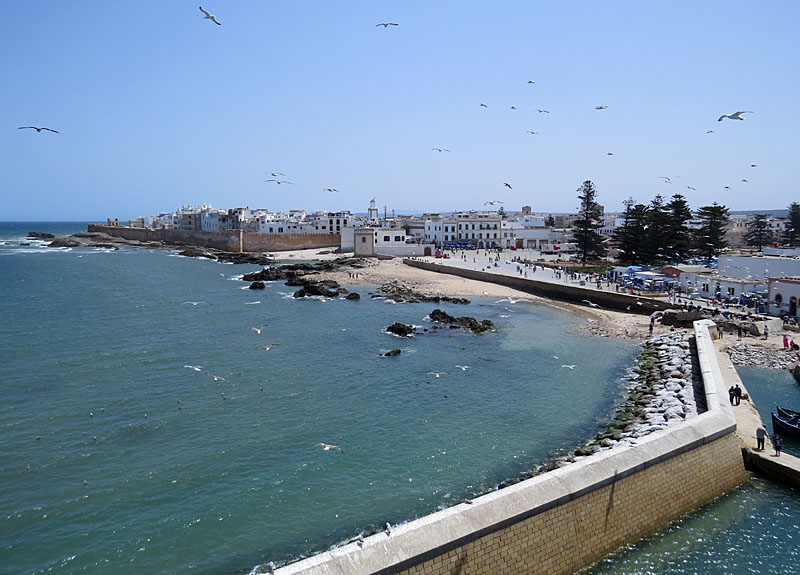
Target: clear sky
{"type": "Point", "coordinates": [158, 107]}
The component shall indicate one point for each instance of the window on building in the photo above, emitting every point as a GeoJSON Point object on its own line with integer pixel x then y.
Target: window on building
{"type": "Point", "coordinates": [363, 240]}
{"type": "Point", "coordinates": [705, 287]}
{"type": "Point", "coordinates": [731, 292]}
{"type": "Point", "coordinates": [778, 299]}
{"type": "Point", "coordinates": [398, 238]}
{"type": "Point", "coordinates": [386, 238]}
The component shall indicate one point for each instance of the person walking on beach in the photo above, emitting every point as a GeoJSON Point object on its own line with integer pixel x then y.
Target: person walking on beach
{"type": "Point", "coordinates": [737, 392]}
{"type": "Point", "coordinates": [739, 333]}
{"type": "Point", "coordinates": [761, 435]}
{"type": "Point", "coordinates": [720, 331]}
{"type": "Point", "coordinates": [732, 394]}
{"type": "Point", "coordinates": [777, 444]}
{"type": "Point", "coordinates": [766, 331]}
{"type": "Point", "coordinates": [785, 341]}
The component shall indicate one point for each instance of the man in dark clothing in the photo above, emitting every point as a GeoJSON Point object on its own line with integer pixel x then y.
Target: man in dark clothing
{"type": "Point", "coordinates": [738, 394]}
{"type": "Point", "coordinates": [732, 394]}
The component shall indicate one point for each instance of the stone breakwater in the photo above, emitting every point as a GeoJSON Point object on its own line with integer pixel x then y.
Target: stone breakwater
{"type": "Point", "coordinates": [663, 388]}
{"type": "Point", "coordinates": [762, 356]}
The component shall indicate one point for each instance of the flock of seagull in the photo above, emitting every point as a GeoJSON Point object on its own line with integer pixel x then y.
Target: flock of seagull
{"type": "Point", "coordinates": [738, 115]}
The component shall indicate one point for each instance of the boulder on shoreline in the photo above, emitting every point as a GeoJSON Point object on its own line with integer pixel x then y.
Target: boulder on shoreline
{"type": "Point", "coordinates": [257, 285]}
{"type": "Point", "coordinates": [401, 293]}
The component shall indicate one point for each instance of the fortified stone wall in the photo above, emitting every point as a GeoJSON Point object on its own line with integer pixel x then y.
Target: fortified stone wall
{"type": "Point", "coordinates": [561, 291]}
{"type": "Point", "coordinates": [564, 520]}
{"type": "Point", "coordinates": [285, 242]}
{"type": "Point", "coordinates": [227, 241]}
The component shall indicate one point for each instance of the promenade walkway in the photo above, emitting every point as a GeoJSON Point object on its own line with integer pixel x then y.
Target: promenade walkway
{"type": "Point", "coordinates": [785, 468]}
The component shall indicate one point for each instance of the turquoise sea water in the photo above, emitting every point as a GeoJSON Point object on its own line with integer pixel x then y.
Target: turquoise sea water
{"type": "Point", "coordinates": [117, 457]}
{"type": "Point", "coordinates": [114, 457]}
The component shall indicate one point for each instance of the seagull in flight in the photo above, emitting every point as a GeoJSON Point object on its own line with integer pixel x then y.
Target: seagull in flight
{"type": "Point", "coordinates": [506, 184]}
{"type": "Point", "coordinates": [484, 105]}
{"type": "Point", "coordinates": [194, 367]}
{"type": "Point", "coordinates": [530, 132]}
{"type": "Point", "coordinates": [437, 374]}
{"type": "Point", "coordinates": [543, 111]}
{"type": "Point", "coordinates": [603, 107]}
{"type": "Point", "coordinates": [38, 129]}
{"type": "Point", "coordinates": [330, 190]}
{"type": "Point", "coordinates": [492, 203]}
{"type": "Point", "coordinates": [531, 82]}
{"type": "Point", "coordinates": [463, 367]}
{"type": "Point", "coordinates": [513, 107]}
{"type": "Point", "coordinates": [691, 188]}
{"type": "Point", "coordinates": [440, 149]}
{"type": "Point", "coordinates": [267, 347]}
{"type": "Point", "coordinates": [735, 115]}
{"type": "Point", "coordinates": [666, 179]}
{"type": "Point", "coordinates": [569, 366]}
{"type": "Point", "coordinates": [609, 153]}
{"type": "Point", "coordinates": [591, 303]}
{"type": "Point", "coordinates": [258, 329]}
{"type": "Point", "coordinates": [276, 174]}
{"type": "Point", "coordinates": [193, 302]}
{"type": "Point", "coordinates": [387, 24]}
{"type": "Point", "coordinates": [328, 447]}
{"type": "Point", "coordinates": [710, 131]}
{"type": "Point", "coordinates": [753, 165]}
{"type": "Point", "coordinates": [279, 182]}
{"type": "Point", "coordinates": [217, 377]}
{"type": "Point", "coordinates": [209, 16]}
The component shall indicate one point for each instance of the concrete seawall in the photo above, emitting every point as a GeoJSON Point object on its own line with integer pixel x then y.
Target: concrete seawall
{"type": "Point", "coordinates": [227, 241]}
{"type": "Point", "coordinates": [563, 292]}
{"type": "Point", "coordinates": [564, 520]}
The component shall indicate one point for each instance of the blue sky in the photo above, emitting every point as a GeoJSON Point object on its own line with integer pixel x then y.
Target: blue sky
{"type": "Point", "coordinates": [158, 107]}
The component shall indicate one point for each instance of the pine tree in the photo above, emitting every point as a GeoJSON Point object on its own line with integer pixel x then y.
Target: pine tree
{"type": "Point", "coordinates": [653, 248]}
{"type": "Point", "coordinates": [629, 237]}
{"type": "Point", "coordinates": [679, 239]}
{"type": "Point", "coordinates": [585, 226]}
{"type": "Point", "coordinates": [550, 221]}
{"type": "Point", "coordinates": [758, 233]}
{"type": "Point", "coordinates": [791, 236]}
{"type": "Point", "coordinates": [710, 237]}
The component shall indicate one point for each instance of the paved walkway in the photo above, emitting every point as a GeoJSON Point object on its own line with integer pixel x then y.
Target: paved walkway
{"type": "Point", "coordinates": [785, 468]}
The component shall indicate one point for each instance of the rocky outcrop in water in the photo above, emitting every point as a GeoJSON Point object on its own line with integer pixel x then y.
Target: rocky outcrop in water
{"type": "Point", "coordinates": [40, 235]}
{"type": "Point", "coordinates": [257, 285]}
{"type": "Point", "coordinates": [469, 323]}
{"type": "Point", "coordinates": [401, 329]}
{"type": "Point", "coordinates": [353, 296]}
{"type": "Point", "coordinates": [392, 353]}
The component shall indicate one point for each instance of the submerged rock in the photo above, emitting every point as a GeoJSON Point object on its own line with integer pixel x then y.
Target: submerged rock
{"type": "Point", "coordinates": [392, 353]}
{"type": "Point", "coordinates": [257, 285]}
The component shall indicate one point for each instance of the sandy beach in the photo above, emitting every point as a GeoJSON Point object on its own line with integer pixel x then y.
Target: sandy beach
{"type": "Point", "coordinates": [600, 322]}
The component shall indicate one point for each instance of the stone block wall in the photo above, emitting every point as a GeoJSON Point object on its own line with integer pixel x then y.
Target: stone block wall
{"type": "Point", "coordinates": [285, 242]}
{"type": "Point", "coordinates": [569, 537]}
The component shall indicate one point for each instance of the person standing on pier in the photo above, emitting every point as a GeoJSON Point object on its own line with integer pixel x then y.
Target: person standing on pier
{"type": "Point", "coordinates": [777, 444]}
{"type": "Point", "coordinates": [761, 435]}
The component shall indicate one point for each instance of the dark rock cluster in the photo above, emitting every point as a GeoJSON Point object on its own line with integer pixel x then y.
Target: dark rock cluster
{"type": "Point", "coordinates": [400, 293]}
{"type": "Point", "coordinates": [469, 323]}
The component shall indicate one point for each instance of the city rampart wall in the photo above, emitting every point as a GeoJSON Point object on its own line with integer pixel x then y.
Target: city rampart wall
{"type": "Point", "coordinates": [226, 241]}
{"type": "Point", "coordinates": [564, 520]}
{"type": "Point", "coordinates": [559, 291]}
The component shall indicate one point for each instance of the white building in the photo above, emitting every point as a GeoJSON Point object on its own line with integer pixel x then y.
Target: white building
{"type": "Point", "coordinates": [370, 242]}
{"type": "Point", "coordinates": [784, 294]}
{"type": "Point", "coordinates": [758, 267]}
